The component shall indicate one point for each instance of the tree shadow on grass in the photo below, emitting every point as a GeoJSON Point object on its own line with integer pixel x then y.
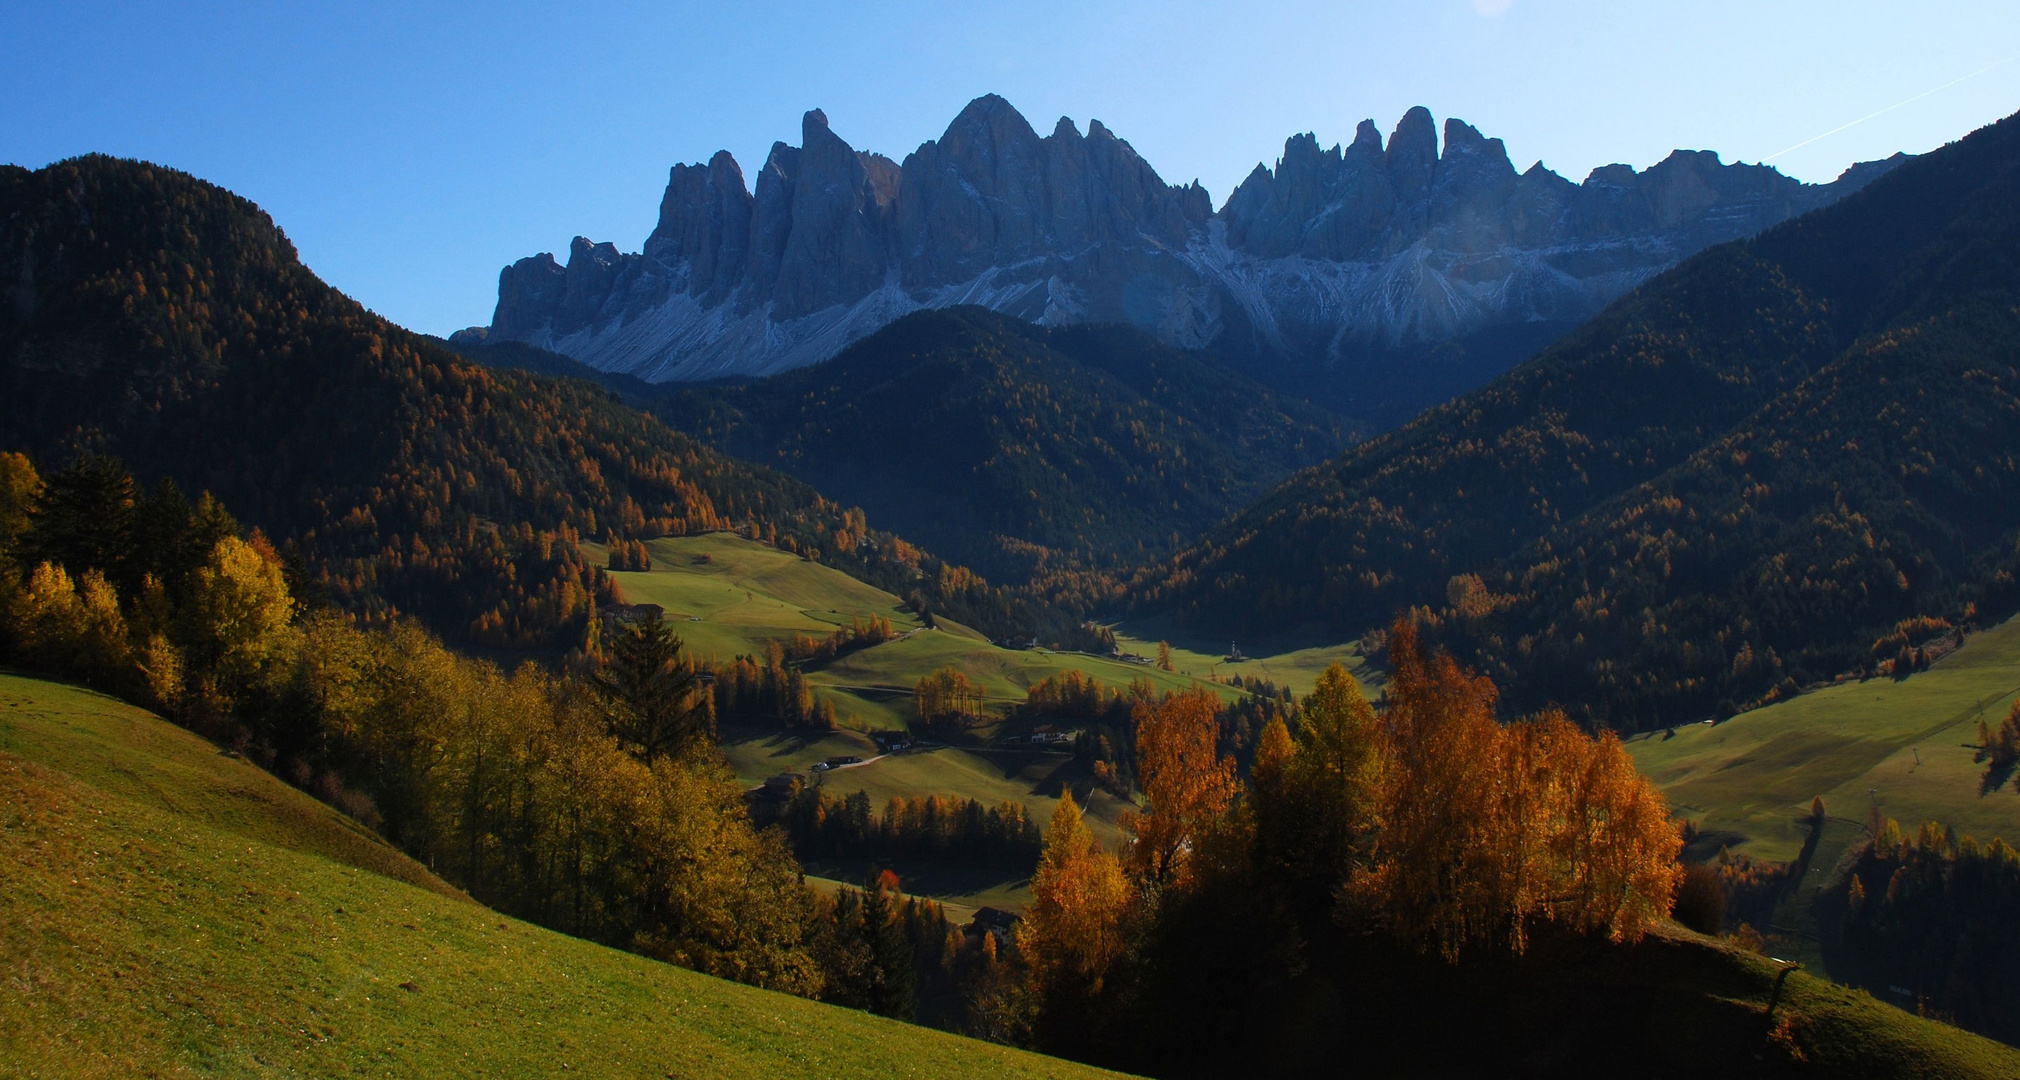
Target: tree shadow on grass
{"type": "Point", "coordinates": [1995, 778]}
{"type": "Point", "coordinates": [778, 742]}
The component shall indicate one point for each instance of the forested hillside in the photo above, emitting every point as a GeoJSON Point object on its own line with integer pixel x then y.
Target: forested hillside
{"type": "Point", "coordinates": [1018, 449]}
{"type": "Point", "coordinates": [163, 320]}
{"type": "Point", "coordinates": [1741, 478]}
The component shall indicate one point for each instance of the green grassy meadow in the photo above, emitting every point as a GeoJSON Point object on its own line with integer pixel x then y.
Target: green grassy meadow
{"type": "Point", "coordinates": [1294, 661]}
{"type": "Point", "coordinates": [727, 595]}
{"type": "Point", "coordinates": [1032, 777]}
{"type": "Point", "coordinates": [173, 911]}
{"type": "Point", "coordinates": [1905, 746]}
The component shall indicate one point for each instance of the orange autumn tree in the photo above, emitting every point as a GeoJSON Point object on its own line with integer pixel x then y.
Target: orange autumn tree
{"type": "Point", "coordinates": [1443, 849]}
{"type": "Point", "coordinates": [948, 698]}
{"type": "Point", "coordinates": [1481, 830]}
{"type": "Point", "coordinates": [1073, 931]}
{"type": "Point", "coordinates": [1614, 847]}
{"type": "Point", "coordinates": [1189, 788]}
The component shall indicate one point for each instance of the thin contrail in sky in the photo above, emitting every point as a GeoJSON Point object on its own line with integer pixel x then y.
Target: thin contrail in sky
{"type": "Point", "coordinates": [1889, 108]}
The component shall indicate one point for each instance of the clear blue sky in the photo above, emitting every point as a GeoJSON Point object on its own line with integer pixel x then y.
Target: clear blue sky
{"type": "Point", "coordinates": [412, 149]}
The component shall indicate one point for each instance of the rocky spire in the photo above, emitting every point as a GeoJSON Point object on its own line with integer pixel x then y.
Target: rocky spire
{"type": "Point", "coordinates": [1470, 192]}
{"type": "Point", "coordinates": [705, 222]}
{"type": "Point", "coordinates": [1411, 157]}
{"type": "Point", "coordinates": [592, 271]}
{"type": "Point", "coordinates": [771, 220]}
{"type": "Point", "coordinates": [835, 246]}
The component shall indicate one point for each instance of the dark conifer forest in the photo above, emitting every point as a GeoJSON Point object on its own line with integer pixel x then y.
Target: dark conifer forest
{"type": "Point", "coordinates": [1025, 452]}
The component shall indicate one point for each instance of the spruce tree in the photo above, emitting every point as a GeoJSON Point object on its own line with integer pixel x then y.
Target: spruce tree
{"type": "Point", "coordinates": [649, 697]}
{"type": "Point", "coordinates": [894, 987]}
{"type": "Point", "coordinates": [83, 519]}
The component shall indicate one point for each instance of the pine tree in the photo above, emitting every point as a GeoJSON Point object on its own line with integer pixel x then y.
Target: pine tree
{"type": "Point", "coordinates": [1314, 799]}
{"type": "Point", "coordinates": [83, 518]}
{"type": "Point", "coordinates": [894, 984]}
{"type": "Point", "coordinates": [649, 696]}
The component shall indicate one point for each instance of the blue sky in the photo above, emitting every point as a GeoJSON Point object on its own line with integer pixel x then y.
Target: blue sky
{"type": "Point", "coordinates": [411, 150]}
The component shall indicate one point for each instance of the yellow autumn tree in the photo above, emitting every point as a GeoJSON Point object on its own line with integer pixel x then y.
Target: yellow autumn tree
{"type": "Point", "coordinates": [19, 488]}
{"type": "Point", "coordinates": [1073, 931]}
{"type": "Point", "coordinates": [72, 626]}
{"type": "Point", "coordinates": [239, 609]}
{"type": "Point", "coordinates": [948, 698]}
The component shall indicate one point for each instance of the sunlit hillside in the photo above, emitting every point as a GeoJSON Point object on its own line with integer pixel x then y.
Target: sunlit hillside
{"type": "Point", "coordinates": [172, 910]}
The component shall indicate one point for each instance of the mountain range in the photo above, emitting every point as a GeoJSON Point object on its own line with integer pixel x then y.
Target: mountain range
{"type": "Point", "coordinates": [1443, 262]}
{"type": "Point", "coordinates": [1771, 465]}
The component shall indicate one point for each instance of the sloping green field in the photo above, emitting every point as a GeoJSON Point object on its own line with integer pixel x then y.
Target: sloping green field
{"type": "Point", "coordinates": [727, 596]}
{"type": "Point", "coordinates": [1295, 661]}
{"type": "Point", "coordinates": [1904, 746]}
{"type": "Point", "coordinates": [173, 911]}
{"type": "Point", "coordinates": [1034, 778]}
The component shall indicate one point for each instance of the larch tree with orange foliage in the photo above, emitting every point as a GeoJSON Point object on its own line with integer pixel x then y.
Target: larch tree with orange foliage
{"type": "Point", "coordinates": [1442, 850]}
{"type": "Point", "coordinates": [1189, 786]}
{"type": "Point", "coordinates": [1484, 830]}
{"type": "Point", "coordinates": [1074, 929]}
{"type": "Point", "coordinates": [1614, 848]}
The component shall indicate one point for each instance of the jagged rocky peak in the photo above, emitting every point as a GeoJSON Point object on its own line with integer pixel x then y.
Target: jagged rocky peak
{"type": "Point", "coordinates": [835, 224]}
{"type": "Point", "coordinates": [1337, 249]}
{"type": "Point", "coordinates": [705, 224]}
{"type": "Point", "coordinates": [827, 226]}
{"type": "Point", "coordinates": [989, 192]}
{"type": "Point", "coordinates": [1371, 202]}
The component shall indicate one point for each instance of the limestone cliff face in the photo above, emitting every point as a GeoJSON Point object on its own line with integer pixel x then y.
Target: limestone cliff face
{"type": "Point", "coordinates": [1333, 255]}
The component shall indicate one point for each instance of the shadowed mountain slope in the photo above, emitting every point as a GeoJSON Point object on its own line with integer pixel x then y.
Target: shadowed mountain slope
{"type": "Point", "coordinates": [162, 319]}
{"type": "Point", "coordinates": [1013, 448]}
{"type": "Point", "coordinates": [1729, 484]}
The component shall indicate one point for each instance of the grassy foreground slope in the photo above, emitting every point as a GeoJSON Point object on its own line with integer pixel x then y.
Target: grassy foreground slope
{"type": "Point", "coordinates": [171, 911]}
{"type": "Point", "coordinates": [1906, 745]}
